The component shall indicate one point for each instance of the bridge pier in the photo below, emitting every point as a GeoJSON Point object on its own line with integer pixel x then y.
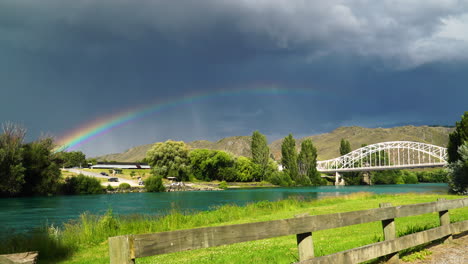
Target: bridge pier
{"type": "Point", "coordinates": [339, 179]}
{"type": "Point", "coordinates": [366, 178]}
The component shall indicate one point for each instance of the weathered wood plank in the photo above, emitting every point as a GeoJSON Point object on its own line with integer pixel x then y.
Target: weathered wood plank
{"type": "Point", "coordinates": [305, 244]}
{"type": "Point", "coordinates": [459, 227]}
{"type": "Point", "coordinates": [19, 258]}
{"type": "Point", "coordinates": [189, 239]}
{"type": "Point", "coordinates": [444, 219]}
{"type": "Point", "coordinates": [379, 249]}
{"type": "Point", "coordinates": [121, 250]}
{"type": "Point", "coordinates": [389, 229]}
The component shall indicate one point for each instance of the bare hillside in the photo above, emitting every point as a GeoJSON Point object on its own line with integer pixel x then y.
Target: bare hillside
{"type": "Point", "coordinates": [327, 144]}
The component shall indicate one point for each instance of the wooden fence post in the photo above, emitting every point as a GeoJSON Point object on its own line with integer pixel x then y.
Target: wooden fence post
{"type": "Point", "coordinates": [389, 230]}
{"type": "Point", "coordinates": [444, 219]}
{"type": "Point", "coordinates": [304, 243]}
{"type": "Point", "coordinates": [121, 250]}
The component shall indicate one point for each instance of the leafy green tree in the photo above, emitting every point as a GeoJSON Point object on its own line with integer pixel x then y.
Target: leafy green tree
{"type": "Point", "coordinates": [260, 153]}
{"type": "Point", "coordinates": [289, 157]}
{"type": "Point", "coordinates": [42, 174]}
{"type": "Point", "coordinates": [457, 138]}
{"type": "Point", "coordinates": [154, 184]}
{"type": "Point", "coordinates": [11, 157]}
{"type": "Point", "coordinates": [212, 165]}
{"type": "Point", "coordinates": [169, 159]}
{"type": "Point", "coordinates": [198, 165]}
{"type": "Point", "coordinates": [307, 162]}
{"type": "Point", "coordinates": [72, 159]}
{"type": "Point", "coordinates": [345, 147]}
{"type": "Point", "coordinates": [246, 169]}
{"type": "Point", "coordinates": [351, 178]}
{"type": "Point", "coordinates": [92, 161]}
{"type": "Point", "coordinates": [280, 178]}
{"type": "Point", "coordinates": [458, 171]}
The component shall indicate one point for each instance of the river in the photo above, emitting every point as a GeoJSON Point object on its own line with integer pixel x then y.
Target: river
{"type": "Point", "coordinates": [23, 214]}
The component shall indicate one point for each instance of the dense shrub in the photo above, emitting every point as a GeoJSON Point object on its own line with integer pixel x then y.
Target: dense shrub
{"type": "Point", "coordinates": [154, 184]}
{"type": "Point", "coordinates": [439, 175]}
{"type": "Point", "coordinates": [394, 177]}
{"type": "Point", "coordinates": [409, 177]}
{"type": "Point", "coordinates": [280, 178]}
{"type": "Point", "coordinates": [124, 186]}
{"type": "Point", "coordinates": [353, 178]}
{"type": "Point", "coordinates": [387, 177]}
{"type": "Point", "coordinates": [223, 185]}
{"type": "Point", "coordinates": [82, 185]}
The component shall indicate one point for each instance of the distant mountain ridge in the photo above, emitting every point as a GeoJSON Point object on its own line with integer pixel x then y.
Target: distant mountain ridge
{"type": "Point", "coordinates": [327, 144]}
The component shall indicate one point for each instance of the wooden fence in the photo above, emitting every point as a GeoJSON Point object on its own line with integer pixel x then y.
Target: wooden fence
{"type": "Point", "coordinates": [124, 249]}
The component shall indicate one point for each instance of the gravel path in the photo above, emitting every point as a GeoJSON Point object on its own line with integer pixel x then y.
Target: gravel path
{"type": "Point", "coordinates": [455, 252]}
{"type": "Point", "coordinates": [97, 175]}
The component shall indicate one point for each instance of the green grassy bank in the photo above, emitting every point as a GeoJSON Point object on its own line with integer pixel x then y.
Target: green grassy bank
{"type": "Point", "coordinates": [85, 240]}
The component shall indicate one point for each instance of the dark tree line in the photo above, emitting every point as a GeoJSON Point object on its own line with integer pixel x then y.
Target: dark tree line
{"type": "Point", "coordinates": [33, 168]}
{"type": "Point", "coordinates": [26, 168]}
{"type": "Point", "coordinates": [300, 169]}
{"type": "Point", "coordinates": [458, 156]}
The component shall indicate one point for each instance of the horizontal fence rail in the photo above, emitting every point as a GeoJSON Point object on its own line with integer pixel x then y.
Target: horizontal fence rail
{"type": "Point", "coordinates": [124, 249]}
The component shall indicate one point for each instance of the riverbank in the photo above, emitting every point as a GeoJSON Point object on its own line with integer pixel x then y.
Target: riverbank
{"type": "Point", "coordinates": [85, 240]}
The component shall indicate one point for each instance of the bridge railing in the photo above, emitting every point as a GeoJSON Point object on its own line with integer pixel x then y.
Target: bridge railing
{"type": "Point", "coordinates": [125, 249]}
{"type": "Point", "coordinates": [391, 154]}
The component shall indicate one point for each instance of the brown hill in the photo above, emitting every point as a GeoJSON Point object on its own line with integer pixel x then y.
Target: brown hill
{"type": "Point", "coordinates": [327, 144]}
{"type": "Point", "coordinates": [239, 145]}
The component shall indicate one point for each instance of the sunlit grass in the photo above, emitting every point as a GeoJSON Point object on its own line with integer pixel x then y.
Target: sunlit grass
{"type": "Point", "coordinates": [85, 239]}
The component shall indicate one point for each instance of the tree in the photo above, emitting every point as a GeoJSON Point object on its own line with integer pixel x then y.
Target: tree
{"type": "Point", "coordinates": [458, 171]}
{"type": "Point", "coordinates": [345, 147]}
{"type": "Point", "coordinates": [169, 159]}
{"type": "Point", "coordinates": [212, 165]}
{"type": "Point", "coordinates": [246, 169]}
{"type": "Point", "coordinates": [260, 153]}
{"type": "Point", "coordinates": [307, 162]}
{"type": "Point", "coordinates": [457, 138]}
{"type": "Point", "coordinates": [289, 157]}
{"type": "Point", "coordinates": [72, 159]}
{"type": "Point", "coordinates": [42, 174]}
{"type": "Point", "coordinates": [11, 157]}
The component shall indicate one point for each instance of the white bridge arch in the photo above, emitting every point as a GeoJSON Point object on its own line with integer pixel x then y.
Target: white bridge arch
{"type": "Point", "coordinates": [387, 155]}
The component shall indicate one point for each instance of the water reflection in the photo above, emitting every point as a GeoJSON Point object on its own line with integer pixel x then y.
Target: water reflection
{"type": "Point", "coordinates": [23, 214]}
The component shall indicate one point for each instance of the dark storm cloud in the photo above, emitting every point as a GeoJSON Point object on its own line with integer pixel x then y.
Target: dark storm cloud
{"type": "Point", "coordinates": [406, 33]}
{"type": "Point", "coordinates": [372, 63]}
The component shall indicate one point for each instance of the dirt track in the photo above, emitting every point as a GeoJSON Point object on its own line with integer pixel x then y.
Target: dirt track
{"type": "Point", "coordinates": [455, 252]}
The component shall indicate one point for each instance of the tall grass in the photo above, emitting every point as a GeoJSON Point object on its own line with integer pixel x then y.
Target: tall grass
{"type": "Point", "coordinates": [73, 242]}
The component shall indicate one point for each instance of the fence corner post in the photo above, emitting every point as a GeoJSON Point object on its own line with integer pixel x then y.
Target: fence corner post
{"type": "Point", "coordinates": [304, 243]}
{"type": "Point", "coordinates": [389, 230]}
{"type": "Point", "coordinates": [121, 250]}
{"type": "Point", "coordinates": [444, 219]}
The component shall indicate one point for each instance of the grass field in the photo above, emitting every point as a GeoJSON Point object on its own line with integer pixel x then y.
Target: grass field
{"type": "Point", "coordinates": [85, 240]}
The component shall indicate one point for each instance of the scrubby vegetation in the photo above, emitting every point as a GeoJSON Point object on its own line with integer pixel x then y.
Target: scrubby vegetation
{"type": "Point", "coordinates": [82, 185]}
{"type": "Point", "coordinates": [124, 186]}
{"type": "Point", "coordinates": [154, 184]}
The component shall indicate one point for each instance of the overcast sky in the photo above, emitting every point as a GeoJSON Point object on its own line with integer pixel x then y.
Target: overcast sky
{"type": "Point", "coordinates": [65, 63]}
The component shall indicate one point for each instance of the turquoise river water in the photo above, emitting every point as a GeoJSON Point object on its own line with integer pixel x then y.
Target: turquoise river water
{"type": "Point", "coordinates": [23, 214]}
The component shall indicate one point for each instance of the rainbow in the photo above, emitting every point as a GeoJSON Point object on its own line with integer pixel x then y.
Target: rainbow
{"type": "Point", "coordinates": [102, 125]}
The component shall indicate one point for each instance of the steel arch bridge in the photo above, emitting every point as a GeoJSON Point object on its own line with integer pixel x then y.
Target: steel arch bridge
{"type": "Point", "coordinates": [387, 155]}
